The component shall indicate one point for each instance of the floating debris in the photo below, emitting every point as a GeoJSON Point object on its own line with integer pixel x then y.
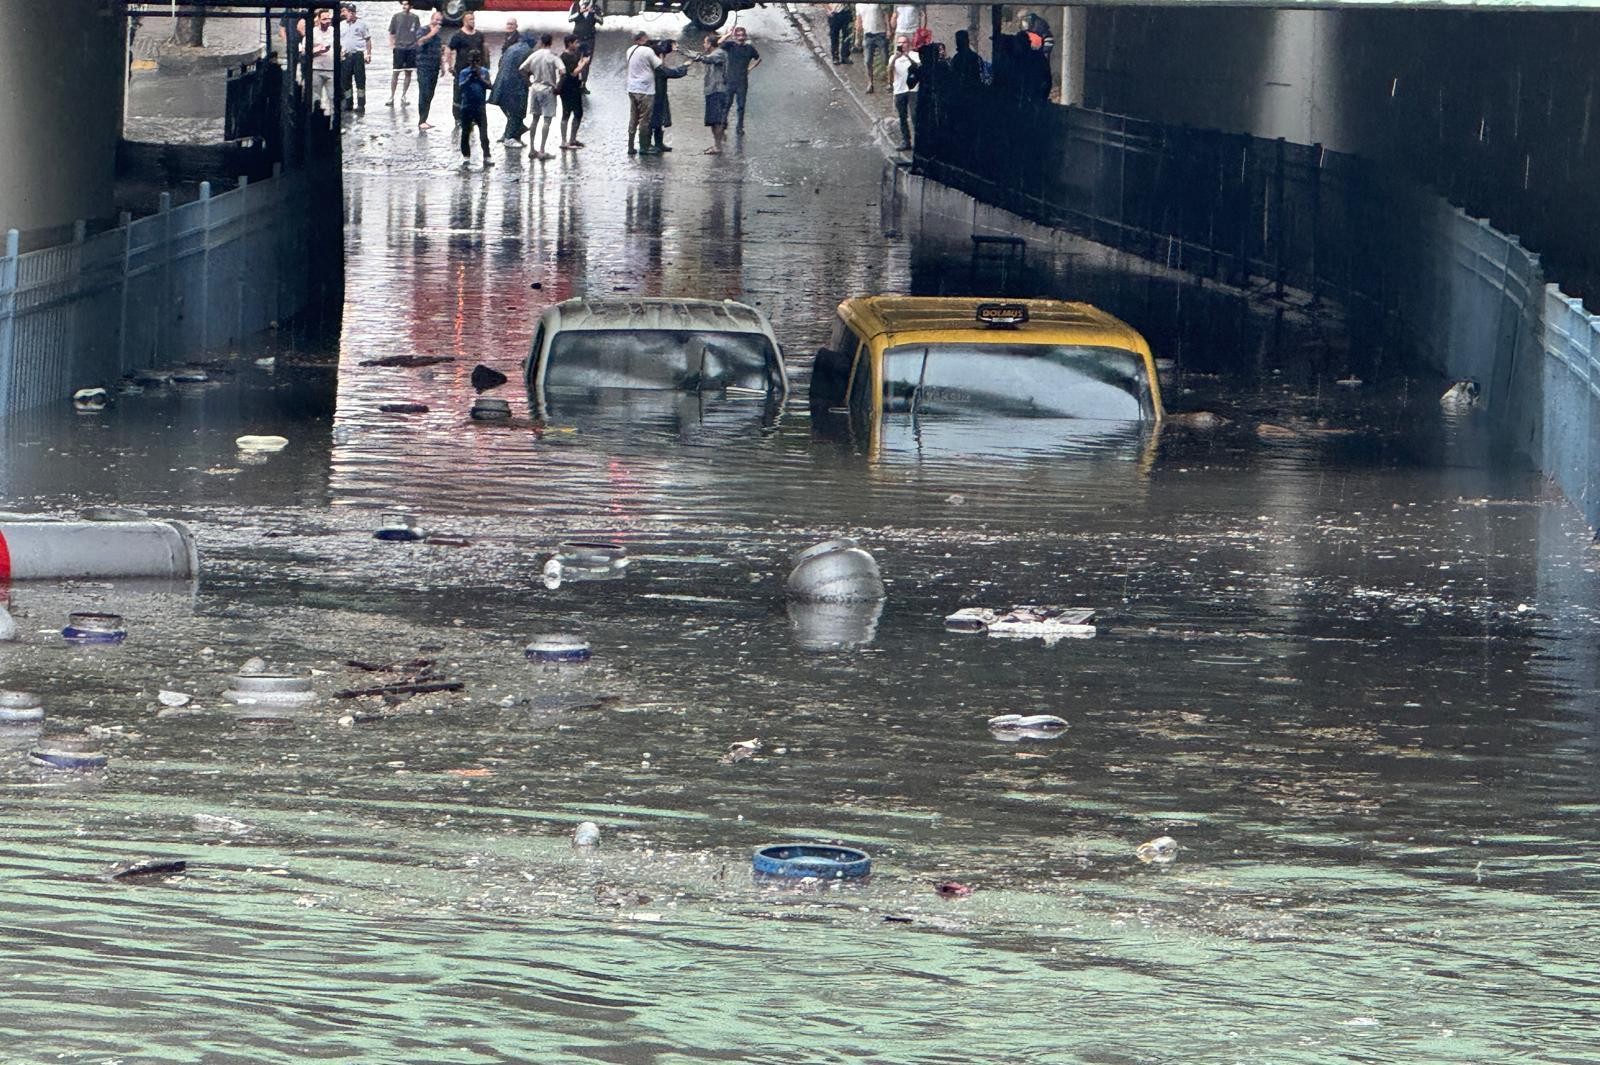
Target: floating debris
{"type": "Point", "coordinates": [68, 752]}
{"type": "Point", "coordinates": [90, 399]}
{"type": "Point", "coordinates": [489, 409]}
{"type": "Point", "coordinates": [91, 627]}
{"type": "Point", "coordinates": [586, 834]}
{"type": "Point", "coordinates": [403, 408]}
{"type": "Point", "coordinates": [557, 647]}
{"type": "Point", "coordinates": [485, 378]}
{"type": "Point", "coordinates": [272, 689]}
{"type": "Point", "coordinates": [1049, 623]}
{"type": "Point", "coordinates": [408, 361]}
{"type": "Point", "coordinates": [1349, 382]}
{"type": "Point", "coordinates": [400, 528]}
{"type": "Point", "coordinates": [8, 625]}
{"type": "Point", "coordinates": [812, 860]}
{"type": "Point", "coordinates": [141, 868]}
{"type": "Point", "coordinates": [1196, 419]}
{"type": "Point", "coordinates": [20, 707]}
{"type": "Point", "coordinates": [1159, 851]}
{"type": "Point", "coordinates": [1463, 395]}
{"type": "Point", "coordinates": [951, 889]}
{"type": "Point", "coordinates": [261, 443]}
{"type": "Point", "coordinates": [174, 699]}
{"type": "Point", "coordinates": [1034, 726]}
{"type": "Point", "coordinates": [835, 571]}
{"type": "Point", "coordinates": [741, 750]}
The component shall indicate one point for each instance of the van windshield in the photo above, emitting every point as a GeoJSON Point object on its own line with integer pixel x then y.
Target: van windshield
{"type": "Point", "coordinates": [1038, 380]}
{"type": "Point", "coordinates": [685, 360]}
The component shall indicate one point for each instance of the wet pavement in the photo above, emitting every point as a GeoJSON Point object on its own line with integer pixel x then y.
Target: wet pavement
{"type": "Point", "coordinates": [1349, 667]}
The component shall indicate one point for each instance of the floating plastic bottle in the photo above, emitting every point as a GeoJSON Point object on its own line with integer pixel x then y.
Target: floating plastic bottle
{"type": "Point", "coordinates": [836, 571]}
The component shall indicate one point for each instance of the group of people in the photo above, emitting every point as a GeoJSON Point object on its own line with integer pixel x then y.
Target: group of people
{"type": "Point", "coordinates": [531, 78]}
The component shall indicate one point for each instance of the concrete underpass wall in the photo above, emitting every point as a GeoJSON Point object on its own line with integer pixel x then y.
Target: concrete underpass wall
{"type": "Point", "coordinates": [61, 93]}
{"type": "Point", "coordinates": [1495, 111]}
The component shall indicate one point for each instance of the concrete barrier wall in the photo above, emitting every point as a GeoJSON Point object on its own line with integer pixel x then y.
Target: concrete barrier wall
{"type": "Point", "coordinates": [154, 291]}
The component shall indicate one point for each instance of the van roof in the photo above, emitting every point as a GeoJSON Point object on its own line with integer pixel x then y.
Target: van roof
{"type": "Point", "coordinates": [1049, 321]}
{"type": "Point", "coordinates": [654, 312]}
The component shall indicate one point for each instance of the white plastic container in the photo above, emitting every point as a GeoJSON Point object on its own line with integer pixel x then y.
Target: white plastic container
{"type": "Point", "coordinates": [45, 549]}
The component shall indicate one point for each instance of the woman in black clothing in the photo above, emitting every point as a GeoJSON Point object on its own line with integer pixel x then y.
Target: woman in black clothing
{"type": "Point", "coordinates": [661, 114]}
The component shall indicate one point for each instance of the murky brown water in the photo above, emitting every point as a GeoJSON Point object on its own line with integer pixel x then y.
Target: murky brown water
{"type": "Point", "coordinates": [1352, 673]}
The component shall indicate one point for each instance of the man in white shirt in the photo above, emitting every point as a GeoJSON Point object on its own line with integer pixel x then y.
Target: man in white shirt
{"type": "Point", "coordinates": [321, 45]}
{"type": "Point", "coordinates": [907, 20]}
{"type": "Point", "coordinates": [900, 68]}
{"type": "Point", "coordinates": [873, 29]}
{"type": "Point", "coordinates": [543, 70]}
{"type": "Point", "coordinates": [642, 62]}
{"type": "Point", "coordinates": [356, 42]}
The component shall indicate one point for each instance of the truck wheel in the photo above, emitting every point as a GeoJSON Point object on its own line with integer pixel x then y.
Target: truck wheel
{"type": "Point", "coordinates": [453, 9]}
{"type": "Point", "coordinates": [707, 14]}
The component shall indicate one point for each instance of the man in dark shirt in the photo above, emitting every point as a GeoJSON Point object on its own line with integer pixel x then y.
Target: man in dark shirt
{"type": "Point", "coordinates": [461, 44]}
{"type": "Point", "coordinates": [742, 59]}
{"type": "Point", "coordinates": [966, 65]}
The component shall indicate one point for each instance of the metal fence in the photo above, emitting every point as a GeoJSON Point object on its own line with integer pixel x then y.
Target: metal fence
{"type": "Point", "coordinates": [1467, 298]}
{"type": "Point", "coordinates": [153, 291]}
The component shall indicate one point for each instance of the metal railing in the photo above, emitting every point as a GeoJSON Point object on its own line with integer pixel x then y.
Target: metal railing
{"type": "Point", "coordinates": [1467, 298]}
{"type": "Point", "coordinates": [153, 291]}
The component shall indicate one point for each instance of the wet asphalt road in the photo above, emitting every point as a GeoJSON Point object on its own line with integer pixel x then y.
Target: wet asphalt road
{"type": "Point", "coordinates": [1351, 669]}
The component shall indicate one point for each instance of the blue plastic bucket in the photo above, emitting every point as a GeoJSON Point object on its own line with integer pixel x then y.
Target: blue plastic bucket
{"type": "Point", "coordinates": [94, 628]}
{"type": "Point", "coordinates": [819, 860]}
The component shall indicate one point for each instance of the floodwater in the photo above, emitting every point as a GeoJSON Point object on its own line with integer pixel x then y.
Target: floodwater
{"type": "Point", "coordinates": [1349, 667]}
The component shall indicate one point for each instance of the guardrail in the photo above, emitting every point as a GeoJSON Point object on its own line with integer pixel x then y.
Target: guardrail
{"type": "Point", "coordinates": [1469, 299]}
{"type": "Point", "coordinates": [155, 290]}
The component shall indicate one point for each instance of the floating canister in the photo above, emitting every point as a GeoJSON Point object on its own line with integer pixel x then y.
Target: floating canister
{"type": "Point", "coordinates": [270, 689]}
{"type": "Point", "coordinates": [836, 571]}
{"type": "Point", "coordinates": [20, 708]}
{"type": "Point", "coordinates": [87, 626]}
{"type": "Point", "coordinates": [44, 549]}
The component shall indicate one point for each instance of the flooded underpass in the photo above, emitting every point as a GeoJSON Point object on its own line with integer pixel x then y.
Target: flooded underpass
{"type": "Point", "coordinates": [1345, 662]}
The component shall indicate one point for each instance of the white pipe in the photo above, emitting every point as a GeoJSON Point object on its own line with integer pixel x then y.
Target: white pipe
{"type": "Point", "coordinates": [45, 549]}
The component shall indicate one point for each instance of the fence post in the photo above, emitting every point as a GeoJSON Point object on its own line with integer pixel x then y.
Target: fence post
{"type": "Point", "coordinates": [165, 306]}
{"type": "Point", "coordinates": [125, 221]}
{"type": "Point", "coordinates": [205, 266]}
{"type": "Point", "coordinates": [1275, 217]}
{"type": "Point", "coordinates": [8, 315]}
{"type": "Point", "coordinates": [241, 257]}
{"type": "Point", "coordinates": [1316, 222]}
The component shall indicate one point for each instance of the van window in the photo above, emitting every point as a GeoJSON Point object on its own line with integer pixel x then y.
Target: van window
{"type": "Point", "coordinates": [688, 360]}
{"type": "Point", "coordinates": [1039, 380]}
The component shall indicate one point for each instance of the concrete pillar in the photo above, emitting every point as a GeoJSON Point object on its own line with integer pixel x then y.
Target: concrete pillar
{"type": "Point", "coordinates": [1070, 46]}
{"type": "Point", "coordinates": [61, 92]}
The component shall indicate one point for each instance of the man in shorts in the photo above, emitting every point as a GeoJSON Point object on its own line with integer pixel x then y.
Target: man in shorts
{"type": "Point", "coordinates": [543, 70]}
{"type": "Point", "coordinates": [575, 67]}
{"type": "Point", "coordinates": [404, 30]}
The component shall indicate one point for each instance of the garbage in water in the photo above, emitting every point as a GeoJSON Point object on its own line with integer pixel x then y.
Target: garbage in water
{"type": "Point", "coordinates": [1197, 419]}
{"type": "Point", "coordinates": [1269, 431]}
{"type": "Point", "coordinates": [1049, 623]}
{"type": "Point", "coordinates": [254, 665]}
{"type": "Point", "coordinates": [261, 443]}
{"type": "Point", "coordinates": [8, 625]}
{"type": "Point", "coordinates": [1349, 382]}
{"type": "Point", "coordinates": [1033, 726]}
{"type": "Point", "coordinates": [951, 889]}
{"type": "Point", "coordinates": [267, 363]}
{"type": "Point", "coordinates": [409, 361]}
{"type": "Point", "coordinates": [592, 554]}
{"type": "Point", "coordinates": [557, 647]}
{"type": "Point", "coordinates": [68, 752]}
{"type": "Point", "coordinates": [167, 698]}
{"type": "Point", "coordinates": [271, 689]}
{"type": "Point", "coordinates": [835, 571]}
{"type": "Point", "coordinates": [43, 548]}
{"type": "Point", "coordinates": [818, 860]}
{"type": "Point", "coordinates": [485, 378]}
{"type": "Point", "coordinates": [152, 378]}
{"type": "Point", "coordinates": [403, 408]}
{"type": "Point", "coordinates": [140, 868]}
{"type": "Point", "coordinates": [400, 528]}
{"type": "Point", "coordinates": [1159, 851]}
{"type": "Point", "coordinates": [1460, 396]}
{"type": "Point", "coordinates": [416, 687]}
{"type": "Point", "coordinates": [90, 399]}
{"type": "Point", "coordinates": [190, 375]}
{"type": "Point", "coordinates": [586, 835]}
{"type": "Point", "coordinates": [92, 627]}
{"type": "Point", "coordinates": [741, 750]}
{"type": "Point", "coordinates": [113, 514]}
{"type": "Point", "coordinates": [833, 626]}
{"type": "Point", "coordinates": [20, 707]}
{"type": "Point", "coordinates": [489, 409]}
